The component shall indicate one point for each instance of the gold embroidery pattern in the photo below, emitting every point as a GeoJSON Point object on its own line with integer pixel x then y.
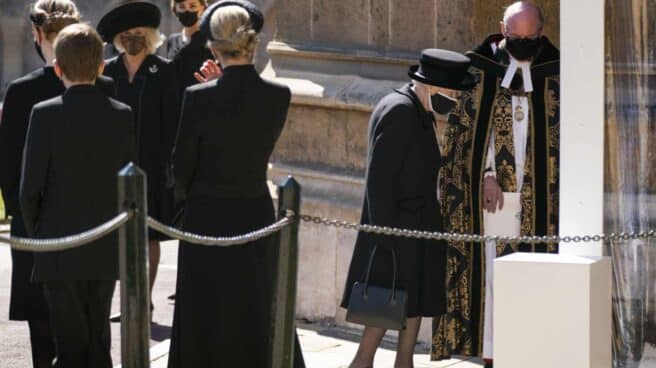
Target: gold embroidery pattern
{"type": "Point", "coordinates": [504, 145]}
{"type": "Point", "coordinates": [552, 111]}
{"type": "Point", "coordinates": [452, 331]}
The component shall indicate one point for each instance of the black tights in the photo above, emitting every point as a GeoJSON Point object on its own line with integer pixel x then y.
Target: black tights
{"type": "Point", "coordinates": [43, 345]}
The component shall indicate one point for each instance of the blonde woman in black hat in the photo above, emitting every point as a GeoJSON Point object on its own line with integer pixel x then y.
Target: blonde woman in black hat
{"type": "Point", "coordinates": [147, 83]}
{"type": "Point", "coordinates": [223, 309]}
{"type": "Point", "coordinates": [401, 191]}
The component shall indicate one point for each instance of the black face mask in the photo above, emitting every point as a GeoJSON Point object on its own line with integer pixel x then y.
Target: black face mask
{"type": "Point", "coordinates": [39, 52]}
{"type": "Point", "coordinates": [187, 19]}
{"type": "Point", "coordinates": [524, 49]}
{"type": "Point", "coordinates": [442, 104]}
{"type": "Point", "coordinates": [133, 44]}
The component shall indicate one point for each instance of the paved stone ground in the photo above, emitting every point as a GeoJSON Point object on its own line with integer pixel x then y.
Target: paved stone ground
{"type": "Point", "coordinates": [324, 346]}
{"type": "Point", "coordinates": [14, 339]}
{"type": "Point", "coordinates": [331, 347]}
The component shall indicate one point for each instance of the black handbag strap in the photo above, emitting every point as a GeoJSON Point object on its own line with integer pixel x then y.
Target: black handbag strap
{"type": "Point", "coordinates": [373, 254]}
{"type": "Point", "coordinates": [371, 262]}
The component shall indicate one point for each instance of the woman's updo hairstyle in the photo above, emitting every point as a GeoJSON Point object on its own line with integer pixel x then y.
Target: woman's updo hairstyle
{"type": "Point", "coordinates": [51, 16]}
{"type": "Point", "coordinates": [232, 32]}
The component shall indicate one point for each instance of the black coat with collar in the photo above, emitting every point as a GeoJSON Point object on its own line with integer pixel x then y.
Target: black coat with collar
{"type": "Point", "coordinates": [26, 300]}
{"type": "Point", "coordinates": [153, 97]}
{"type": "Point", "coordinates": [188, 57]}
{"type": "Point", "coordinates": [229, 128]}
{"type": "Point", "coordinates": [401, 191]}
{"type": "Point", "coordinates": [75, 146]}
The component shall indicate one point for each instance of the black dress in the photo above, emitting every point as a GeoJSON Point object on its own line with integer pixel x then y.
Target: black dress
{"type": "Point", "coordinates": [153, 97]}
{"type": "Point", "coordinates": [26, 302]}
{"type": "Point", "coordinates": [403, 164]}
{"type": "Point", "coordinates": [224, 295]}
{"type": "Point", "coordinates": [188, 57]}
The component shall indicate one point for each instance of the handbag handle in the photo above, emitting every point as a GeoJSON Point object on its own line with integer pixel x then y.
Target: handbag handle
{"type": "Point", "coordinates": [371, 261]}
{"type": "Point", "coordinates": [373, 253]}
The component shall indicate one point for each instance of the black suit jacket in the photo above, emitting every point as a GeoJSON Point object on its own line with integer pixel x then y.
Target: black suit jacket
{"type": "Point", "coordinates": [76, 145]}
{"type": "Point", "coordinates": [22, 94]}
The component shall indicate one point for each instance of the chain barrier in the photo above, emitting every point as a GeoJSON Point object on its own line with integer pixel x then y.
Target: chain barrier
{"type": "Point", "coordinates": [221, 241]}
{"type": "Point", "coordinates": [67, 242]}
{"type": "Point", "coordinates": [417, 234]}
{"type": "Point", "coordinates": [74, 241]}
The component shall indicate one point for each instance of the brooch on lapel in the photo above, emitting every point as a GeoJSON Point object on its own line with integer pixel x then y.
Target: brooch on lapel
{"type": "Point", "coordinates": [153, 69]}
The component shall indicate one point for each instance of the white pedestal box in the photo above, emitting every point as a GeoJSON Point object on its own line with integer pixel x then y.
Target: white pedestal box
{"type": "Point", "coordinates": [552, 311]}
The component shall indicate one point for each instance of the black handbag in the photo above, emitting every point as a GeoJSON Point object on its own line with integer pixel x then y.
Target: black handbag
{"type": "Point", "coordinates": [376, 306]}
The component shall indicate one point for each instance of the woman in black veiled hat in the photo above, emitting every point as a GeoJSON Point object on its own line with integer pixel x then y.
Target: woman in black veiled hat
{"type": "Point", "coordinates": [147, 83]}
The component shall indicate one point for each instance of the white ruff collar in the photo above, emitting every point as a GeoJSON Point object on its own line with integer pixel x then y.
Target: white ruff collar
{"type": "Point", "coordinates": [525, 66]}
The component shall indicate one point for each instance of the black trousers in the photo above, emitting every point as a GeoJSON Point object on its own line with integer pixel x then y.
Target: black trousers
{"type": "Point", "coordinates": [79, 314]}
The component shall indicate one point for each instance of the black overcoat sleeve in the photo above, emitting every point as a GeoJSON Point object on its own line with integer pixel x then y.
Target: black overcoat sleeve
{"type": "Point", "coordinates": [391, 138]}
{"type": "Point", "coordinates": [12, 137]}
{"type": "Point", "coordinates": [36, 159]}
{"type": "Point", "coordinates": [185, 154]}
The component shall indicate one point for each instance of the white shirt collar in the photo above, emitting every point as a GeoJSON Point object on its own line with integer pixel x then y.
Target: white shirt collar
{"type": "Point", "coordinates": [525, 66]}
{"type": "Point", "coordinates": [515, 64]}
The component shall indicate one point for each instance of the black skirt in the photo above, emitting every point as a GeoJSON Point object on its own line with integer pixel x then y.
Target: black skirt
{"type": "Point", "coordinates": [222, 314]}
{"type": "Point", "coordinates": [26, 301]}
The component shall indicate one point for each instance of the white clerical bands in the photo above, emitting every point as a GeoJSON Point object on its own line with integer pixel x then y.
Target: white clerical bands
{"type": "Point", "coordinates": [525, 66]}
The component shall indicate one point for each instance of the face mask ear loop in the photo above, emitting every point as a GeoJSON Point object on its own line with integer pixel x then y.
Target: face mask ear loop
{"type": "Point", "coordinates": [430, 101]}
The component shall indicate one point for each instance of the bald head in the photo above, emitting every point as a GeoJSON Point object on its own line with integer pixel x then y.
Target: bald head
{"type": "Point", "coordinates": [523, 20]}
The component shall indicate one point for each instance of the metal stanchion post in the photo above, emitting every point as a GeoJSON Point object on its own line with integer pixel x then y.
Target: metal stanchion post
{"type": "Point", "coordinates": [133, 259]}
{"type": "Point", "coordinates": [284, 309]}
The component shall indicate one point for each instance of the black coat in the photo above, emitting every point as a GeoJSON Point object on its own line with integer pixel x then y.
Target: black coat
{"type": "Point", "coordinates": [187, 58]}
{"type": "Point", "coordinates": [222, 312]}
{"type": "Point", "coordinates": [22, 94]}
{"type": "Point", "coordinates": [75, 146]}
{"type": "Point", "coordinates": [153, 97]}
{"type": "Point", "coordinates": [401, 191]}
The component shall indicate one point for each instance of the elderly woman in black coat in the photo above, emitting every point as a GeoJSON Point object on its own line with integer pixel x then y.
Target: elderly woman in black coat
{"type": "Point", "coordinates": [403, 164]}
{"type": "Point", "coordinates": [228, 130]}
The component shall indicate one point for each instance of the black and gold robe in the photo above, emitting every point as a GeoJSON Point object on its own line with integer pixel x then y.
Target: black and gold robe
{"type": "Point", "coordinates": [485, 109]}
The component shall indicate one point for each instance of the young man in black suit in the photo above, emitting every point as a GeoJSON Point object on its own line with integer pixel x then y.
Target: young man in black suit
{"type": "Point", "coordinates": [76, 143]}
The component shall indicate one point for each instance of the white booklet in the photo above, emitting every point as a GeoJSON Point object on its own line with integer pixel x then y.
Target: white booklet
{"type": "Point", "coordinates": [507, 221]}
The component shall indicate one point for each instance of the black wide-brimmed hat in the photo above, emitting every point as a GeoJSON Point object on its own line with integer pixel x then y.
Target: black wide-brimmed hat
{"type": "Point", "coordinates": [443, 68]}
{"type": "Point", "coordinates": [127, 16]}
{"type": "Point", "coordinates": [257, 18]}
